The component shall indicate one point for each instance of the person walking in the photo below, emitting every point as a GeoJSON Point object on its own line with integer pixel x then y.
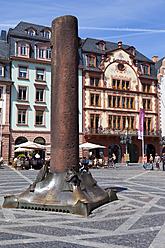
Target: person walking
{"type": "Point", "coordinates": [151, 162]}
{"type": "Point", "coordinates": [163, 162]}
{"type": "Point", "coordinates": [157, 161]}
{"type": "Point", "coordinates": [144, 162]}
{"type": "Point", "coordinates": [114, 160]}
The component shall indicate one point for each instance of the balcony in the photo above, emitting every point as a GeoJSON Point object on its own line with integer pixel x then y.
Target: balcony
{"type": "Point", "coordinates": [110, 131]}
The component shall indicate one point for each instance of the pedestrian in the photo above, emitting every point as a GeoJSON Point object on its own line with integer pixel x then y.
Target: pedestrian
{"type": "Point", "coordinates": [157, 161]}
{"type": "Point", "coordinates": [114, 160]}
{"type": "Point", "coordinates": [163, 161]}
{"type": "Point", "coordinates": [144, 162]}
{"type": "Point", "coordinates": [151, 162]}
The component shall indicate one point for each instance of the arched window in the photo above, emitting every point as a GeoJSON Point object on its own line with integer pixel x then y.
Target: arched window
{"type": "Point", "coordinates": [20, 140]}
{"type": "Point", "coordinates": [39, 140]}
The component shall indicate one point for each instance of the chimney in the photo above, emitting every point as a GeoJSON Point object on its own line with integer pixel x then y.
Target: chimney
{"type": "Point", "coordinates": [119, 43]}
{"type": "Point", "coordinates": [3, 35]}
{"type": "Point", "coordinates": [155, 58]}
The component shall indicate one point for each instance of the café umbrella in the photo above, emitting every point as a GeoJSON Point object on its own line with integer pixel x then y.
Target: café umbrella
{"type": "Point", "coordinates": [88, 146]}
{"type": "Point", "coordinates": [31, 145]}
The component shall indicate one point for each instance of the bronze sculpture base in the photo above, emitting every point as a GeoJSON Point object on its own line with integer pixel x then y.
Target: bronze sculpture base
{"type": "Point", "coordinates": [69, 192]}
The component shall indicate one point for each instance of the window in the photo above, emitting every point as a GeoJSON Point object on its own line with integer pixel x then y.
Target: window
{"type": "Point", "coordinates": [146, 88]}
{"type": "Point", "coordinates": [94, 81]}
{"type": "Point", "coordinates": [41, 53]}
{"type": "Point", "coordinates": [128, 102]}
{"type": "Point", "coordinates": [146, 69]}
{"type": "Point", "coordinates": [23, 49]}
{"type": "Point", "coordinates": [1, 71]}
{"type": "Point", "coordinates": [48, 53]}
{"type": "Point", "coordinates": [39, 95]}
{"type": "Point", "coordinates": [22, 93]}
{"type": "Point", "coordinates": [128, 122]}
{"type": "Point", "coordinates": [132, 51]}
{"type": "Point", "coordinates": [94, 98]}
{"type": "Point", "coordinates": [147, 125]}
{"type": "Point", "coordinates": [114, 101]}
{"type": "Point", "coordinates": [102, 46]}
{"type": "Point", "coordinates": [121, 67]}
{"type": "Point", "coordinates": [125, 85]}
{"type": "Point", "coordinates": [1, 92]}
{"type": "Point", "coordinates": [92, 61]}
{"type": "Point", "coordinates": [40, 74]}
{"type": "Point", "coordinates": [22, 72]}
{"type": "Point", "coordinates": [114, 122]}
{"type": "Point", "coordinates": [147, 104]}
{"type": "Point", "coordinates": [22, 116]}
{"type": "Point", "coordinates": [94, 121]}
{"type": "Point", "coordinates": [31, 32]}
{"type": "Point", "coordinates": [47, 34]}
{"type": "Point", "coordinates": [39, 117]}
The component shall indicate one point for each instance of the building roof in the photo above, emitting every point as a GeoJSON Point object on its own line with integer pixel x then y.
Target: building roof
{"type": "Point", "coordinates": [91, 45]}
{"type": "Point", "coordinates": [159, 64]}
{"type": "Point", "coordinates": [4, 50]}
{"type": "Point", "coordinates": [21, 30]}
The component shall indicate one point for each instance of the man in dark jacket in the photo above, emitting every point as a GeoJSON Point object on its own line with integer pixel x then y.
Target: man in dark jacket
{"type": "Point", "coordinates": [163, 161]}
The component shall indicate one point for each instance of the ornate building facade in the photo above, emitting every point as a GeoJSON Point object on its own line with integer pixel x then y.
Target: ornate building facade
{"type": "Point", "coordinates": [117, 82]}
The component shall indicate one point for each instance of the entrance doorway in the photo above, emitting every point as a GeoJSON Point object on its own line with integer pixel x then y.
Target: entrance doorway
{"type": "Point", "coordinates": [116, 149]}
{"type": "Point", "coordinates": [41, 141]}
{"type": "Point", "coordinates": [149, 149]}
{"type": "Point", "coordinates": [132, 150]}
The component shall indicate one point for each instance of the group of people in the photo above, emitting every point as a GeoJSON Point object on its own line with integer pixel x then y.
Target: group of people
{"type": "Point", "coordinates": [157, 161]}
{"type": "Point", "coordinates": [95, 163]}
{"type": "Point", "coordinates": [28, 162]}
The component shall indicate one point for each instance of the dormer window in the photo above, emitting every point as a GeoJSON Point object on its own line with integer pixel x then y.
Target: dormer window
{"type": "Point", "coordinates": [102, 46]}
{"type": "Point", "coordinates": [23, 48]}
{"type": "Point", "coordinates": [1, 70]}
{"type": "Point", "coordinates": [47, 35]}
{"type": "Point", "coordinates": [91, 61]}
{"type": "Point", "coordinates": [43, 51]}
{"type": "Point", "coordinates": [146, 69]}
{"type": "Point", "coordinates": [31, 31]}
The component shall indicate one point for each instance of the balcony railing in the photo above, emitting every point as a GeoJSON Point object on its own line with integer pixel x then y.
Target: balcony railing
{"type": "Point", "coordinates": [109, 131]}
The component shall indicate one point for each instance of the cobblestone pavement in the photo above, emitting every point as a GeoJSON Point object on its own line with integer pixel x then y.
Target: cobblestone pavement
{"type": "Point", "coordinates": [136, 219]}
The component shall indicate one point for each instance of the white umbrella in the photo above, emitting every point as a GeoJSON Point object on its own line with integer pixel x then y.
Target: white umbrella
{"type": "Point", "coordinates": [21, 149]}
{"type": "Point", "coordinates": [88, 146]}
{"type": "Point", "coordinates": [31, 145]}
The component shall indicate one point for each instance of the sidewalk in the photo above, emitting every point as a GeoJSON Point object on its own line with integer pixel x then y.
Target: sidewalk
{"type": "Point", "coordinates": [136, 220]}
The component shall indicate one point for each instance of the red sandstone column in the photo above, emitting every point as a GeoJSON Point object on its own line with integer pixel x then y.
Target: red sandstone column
{"type": "Point", "coordinates": [64, 95]}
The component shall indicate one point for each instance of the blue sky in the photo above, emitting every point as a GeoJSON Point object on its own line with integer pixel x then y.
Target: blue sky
{"type": "Point", "coordinates": [140, 23]}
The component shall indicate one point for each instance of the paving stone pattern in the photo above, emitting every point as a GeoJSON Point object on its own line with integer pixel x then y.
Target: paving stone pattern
{"type": "Point", "coordinates": [135, 220]}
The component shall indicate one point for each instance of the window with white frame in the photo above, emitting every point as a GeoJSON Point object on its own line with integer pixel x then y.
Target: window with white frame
{"type": "Point", "coordinates": [23, 49]}
{"type": "Point", "coordinates": [22, 116]}
{"type": "Point", "coordinates": [22, 72]}
{"type": "Point", "coordinates": [40, 74]}
{"type": "Point", "coordinates": [41, 53]}
{"type": "Point", "coordinates": [1, 71]}
{"type": "Point", "coordinates": [39, 120]}
{"type": "Point", "coordinates": [31, 33]}
{"type": "Point", "coordinates": [47, 34]}
{"type": "Point", "coordinates": [48, 53]}
{"type": "Point", "coordinates": [39, 95]}
{"type": "Point", "coordinates": [22, 93]}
